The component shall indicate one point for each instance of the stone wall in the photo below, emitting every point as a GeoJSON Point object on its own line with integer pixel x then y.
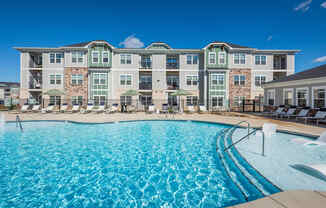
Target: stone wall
{"type": "Point", "coordinates": [75, 90]}
{"type": "Point", "coordinates": [239, 90]}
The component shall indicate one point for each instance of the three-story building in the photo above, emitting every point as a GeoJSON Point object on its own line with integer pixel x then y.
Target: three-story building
{"type": "Point", "coordinates": [219, 75]}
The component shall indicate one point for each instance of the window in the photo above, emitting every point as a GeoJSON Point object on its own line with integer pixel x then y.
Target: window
{"type": "Point", "coordinates": [259, 80]}
{"type": "Point", "coordinates": [77, 57]}
{"type": "Point", "coordinates": [99, 87]}
{"type": "Point", "coordinates": [52, 58]}
{"type": "Point", "coordinates": [217, 101]}
{"type": "Point", "coordinates": [238, 100]}
{"type": "Point", "coordinates": [55, 79]}
{"type": "Point", "coordinates": [192, 59]}
{"type": "Point", "coordinates": [319, 97]}
{"type": "Point", "coordinates": [260, 60]}
{"type": "Point", "coordinates": [217, 79]}
{"type": "Point", "coordinates": [125, 58]}
{"type": "Point", "coordinates": [172, 61]}
{"type": "Point", "coordinates": [56, 58]}
{"type": "Point", "coordinates": [239, 58]}
{"type": "Point", "coordinates": [105, 57]}
{"type": "Point", "coordinates": [125, 100]}
{"type": "Point", "coordinates": [76, 79]}
{"type": "Point", "coordinates": [55, 100]}
{"type": "Point", "coordinates": [192, 80]}
{"type": "Point", "coordinates": [288, 96]}
{"type": "Point", "coordinates": [77, 100]}
{"type": "Point", "coordinates": [145, 100]}
{"type": "Point", "coordinates": [302, 97]}
{"type": "Point", "coordinates": [239, 80]}
{"type": "Point", "coordinates": [95, 57]}
{"type": "Point", "coordinates": [212, 58]}
{"type": "Point", "coordinates": [221, 57]}
{"type": "Point", "coordinates": [270, 97]}
{"type": "Point", "coordinates": [125, 79]}
{"type": "Point", "coordinates": [192, 100]}
{"type": "Point", "coordinates": [172, 82]}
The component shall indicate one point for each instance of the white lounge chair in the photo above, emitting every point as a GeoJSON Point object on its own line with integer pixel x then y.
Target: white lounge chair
{"type": "Point", "coordinates": [202, 108]}
{"type": "Point", "coordinates": [275, 113]}
{"type": "Point", "coordinates": [131, 108]}
{"type": "Point", "coordinates": [321, 140]}
{"type": "Point", "coordinates": [320, 115]}
{"type": "Point", "coordinates": [75, 109]}
{"type": "Point", "coordinates": [36, 108]}
{"type": "Point", "coordinates": [290, 112]}
{"type": "Point", "coordinates": [191, 109]}
{"type": "Point", "coordinates": [302, 113]}
{"type": "Point", "coordinates": [48, 109]}
{"type": "Point", "coordinates": [89, 108]}
{"type": "Point", "coordinates": [100, 109]}
{"type": "Point", "coordinates": [151, 109]}
{"type": "Point", "coordinates": [24, 108]}
{"type": "Point", "coordinates": [112, 109]}
{"type": "Point", "coordinates": [64, 108]}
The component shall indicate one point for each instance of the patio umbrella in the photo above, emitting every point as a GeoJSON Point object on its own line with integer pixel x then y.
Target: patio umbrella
{"type": "Point", "coordinates": [130, 93]}
{"type": "Point", "coordinates": [180, 93]}
{"type": "Point", "coordinates": [54, 92]}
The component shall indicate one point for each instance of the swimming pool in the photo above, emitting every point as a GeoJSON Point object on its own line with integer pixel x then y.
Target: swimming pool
{"type": "Point", "coordinates": [135, 164]}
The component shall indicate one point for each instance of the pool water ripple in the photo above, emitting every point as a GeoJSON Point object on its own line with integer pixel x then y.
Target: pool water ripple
{"type": "Point", "coordinates": [132, 164]}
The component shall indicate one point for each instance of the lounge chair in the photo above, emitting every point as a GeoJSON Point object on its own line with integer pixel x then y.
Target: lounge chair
{"type": "Point", "coordinates": [100, 109]}
{"type": "Point", "coordinates": [131, 108]}
{"type": "Point", "coordinates": [202, 109]}
{"type": "Point", "coordinates": [302, 113]}
{"type": "Point", "coordinates": [89, 108]}
{"type": "Point", "coordinates": [165, 108]}
{"type": "Point", "coordinates": [320, 115]}
{"type": "Point", "coordinates": [75, 109]}
{"type": "Point", "coordinates": [48, 109]}
{"type": "Point", "coordinates": [25, 108]}
{"type": "Point", "coordinates": [151, 109]}
{"type": "Point", "coordinates": [274, 113]}
{"type": "Point", "coordinates": [191, 109]}
{"type": "Point", "coordinates": [36, 108]}
{"type": "Point", "coordinates": [64, 108]}
{"type": "Point", "coordinates": [283, 114]}
{"type": "Point", "coordinates": [113, 108]}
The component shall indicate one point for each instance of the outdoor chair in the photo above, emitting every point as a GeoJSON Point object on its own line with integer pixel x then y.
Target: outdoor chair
{"type": "Point", "coordinates": [202, 108]}
{"type": "Point", "coordinates": [151, 109]}
{"type": "Point", "coordinates": [274, 113]}
{"type": "Point", "coordinates": [75, 109]}
{"type": "Point", "coordinates": [165, 108]}
{"type": "Point", "coordinates": [36, 108]}
{"type": "Point", "coordinates": [89, 108]}
{"type": "Point", "coordinates": [191, 109]}
{"type": "Point", "coordinates": [100, 109]}
{"type": "Point", "coordinates": [63, 108]}
{"type": "Point", "coordinates": [48, 109]}
{"type": "Point", "coordinates": [113, 108]}
{"type": "Point", "coordinates": [320, 115]}
{"type": "Point", "coordinates": [283, 114]}
{"type": "Point", "coordinates": [25, 108]}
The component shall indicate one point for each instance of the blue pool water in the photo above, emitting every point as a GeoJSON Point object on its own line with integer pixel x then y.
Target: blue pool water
{"type": "Point", "coordinates": [127, 164]}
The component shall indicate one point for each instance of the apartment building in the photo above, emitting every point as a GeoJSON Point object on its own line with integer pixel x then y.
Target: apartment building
{"type": "Point", "coordinates": [219, 75]}
{"type": "Point", "coordinates": [9, 90]}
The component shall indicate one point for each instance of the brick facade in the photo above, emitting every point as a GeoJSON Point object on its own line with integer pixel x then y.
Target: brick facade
{"type": "Point", "coordinates": [239, 90]}
{"type": "Point", "coordinates": [75, 90]}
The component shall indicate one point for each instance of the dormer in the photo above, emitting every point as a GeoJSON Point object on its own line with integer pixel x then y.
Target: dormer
{"type": "Point", "coordinates": [99, 54]}
{"type": "Point", "coordinates": [159, 46]}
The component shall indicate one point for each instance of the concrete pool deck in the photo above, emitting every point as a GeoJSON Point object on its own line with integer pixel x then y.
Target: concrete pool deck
{"type": "Point", "coordinates": [287, 199]}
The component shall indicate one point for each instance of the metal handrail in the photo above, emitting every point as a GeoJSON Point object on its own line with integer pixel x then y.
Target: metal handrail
{"type": "Point", "coordinates": [18, 122]}
{"type": "Point", "coordinates": [238, 125]}
{"type": "Point", "coordinates": [247, 136]}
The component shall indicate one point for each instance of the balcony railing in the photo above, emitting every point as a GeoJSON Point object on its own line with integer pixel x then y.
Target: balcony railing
{"type": "Point", "coordinates": [145, 86]}
{"type": "Point", "coordinates": [145, 65]}
{"type": "Point", "coordinates": [35, 85]}
{"type": "Point", "coordinates": [173, 87]}
{"type": "Point", "coordinates": [172, 65]}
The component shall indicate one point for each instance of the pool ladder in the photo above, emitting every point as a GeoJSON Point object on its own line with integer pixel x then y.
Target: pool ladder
{"type": "Point", "coordinates": [19, 123]}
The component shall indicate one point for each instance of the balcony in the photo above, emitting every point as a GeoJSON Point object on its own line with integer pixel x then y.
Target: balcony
{"type": "Point", "coordinates": [145, 86]}
{"type": "Point", "coordinates": [172, 62]}
{"type": "Point", "coordinates": [279, 62]}
{"type": "Point", "coordinates": [146, 62]}
{"type": "Point", "coordinates": [35, 61]}
{"type": "Point", "coordinates": [172, 86]}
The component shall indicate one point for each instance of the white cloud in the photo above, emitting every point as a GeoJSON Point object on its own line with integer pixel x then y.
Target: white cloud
{"type": "Point", "coordinates": [132, 42]}
{"type": "Point", "coordinates": [303, 6]}
{"type": "Point", "coordinates": [320, 59]}
{"type": "Point", "coordinates": [269, 38]}
{"type": "Point", "coordinates": [323, 5]}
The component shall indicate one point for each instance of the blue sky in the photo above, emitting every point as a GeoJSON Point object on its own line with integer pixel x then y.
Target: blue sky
{"type": "Point", "coordinates": [273, 24]}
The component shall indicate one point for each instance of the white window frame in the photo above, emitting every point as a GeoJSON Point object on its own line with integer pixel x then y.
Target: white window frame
{"type": "Point", "coordinates": [307, 95]}
{"type": "Point", "coordinates": [98, 57]}
{"type": "Point", "coordinates": [55, 79]}
{"type": "Point", "coordinates": [192, 80]}
{"type": "Point", "coordinates": [288, 90]}
{"type": "Point", "coordinates": [218, 76]}
{"type": "Point", "coordinates": [218, 96]}
{"type": "Point", "coordinates": [192, 98]}
{"type": "Point", "coordinates": [219, 57]}
{"type": "Point", "coordinates": [260, 82]}
{"type": "Point", "coordinates": [107, 52]}
{"type": "Point", "coordinates": [267, 98]}
{"type": "Point", "coordinates": [239, 55]}
{"type": "Point", "coordinates": [76, 77]}
{"type": "Point", "coordinates": [260, 60]}
{"type": "Point", "coordinates": [313, 94]}
{"type": "Point", "coordinates": [55, 58]}
{"type": "Point", "coordinates": [239, 75]}
{"type": "Point", "coordinates": [192, 59]}
{"type": "Point", "coordinates": [209, 57]}
{"type": "Point", "coordinates": [125, 85]}
{"type": "Point", "coordinates": [79, 56]}
{"type": "Point", "coordinates": [125, 59]}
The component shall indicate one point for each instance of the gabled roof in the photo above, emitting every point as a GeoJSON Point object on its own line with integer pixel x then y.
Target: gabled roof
{"type": "Point", "coordinates": [228, 44]}
{"type": "Point", "coordinates": [82, 44]}
{"type": "Point", "coordinates": [86, 44]}
{"type": "Point", "coordinates": [158, 43]}
{"type": "Point", "coordinates": [317, 72]}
